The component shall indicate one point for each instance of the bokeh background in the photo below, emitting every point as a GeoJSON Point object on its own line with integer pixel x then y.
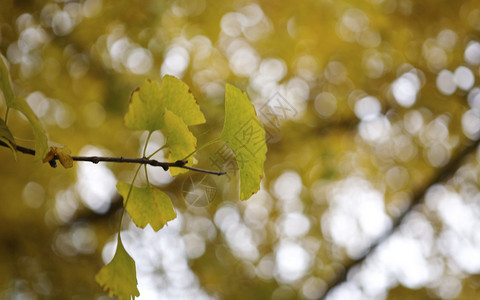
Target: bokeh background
{"type": "Point", "coordinates": [371, 186]}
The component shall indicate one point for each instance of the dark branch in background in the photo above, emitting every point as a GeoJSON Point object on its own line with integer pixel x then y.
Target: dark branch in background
{"type": "Point", "coordinates": [442, 175]}
{"type": "Point", "coordinates": [144, 161]}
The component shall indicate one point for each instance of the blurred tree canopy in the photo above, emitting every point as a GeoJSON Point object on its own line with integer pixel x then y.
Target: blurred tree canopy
{"type": "Point", "coordinates": [371, 186]}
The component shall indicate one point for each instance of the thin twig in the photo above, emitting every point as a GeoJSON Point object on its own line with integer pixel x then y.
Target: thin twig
{"type": "Point", "coordinates": [144, 161]}
{"type": "Point", "coordinates": [440, 176]}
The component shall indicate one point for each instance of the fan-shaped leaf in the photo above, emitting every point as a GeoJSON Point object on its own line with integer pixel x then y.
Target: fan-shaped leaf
{"type": "Point", "coordinates": [41, 142]}
{"type": "Point", "coordinates": [148, 104]}
{"type": "Point", "coordinates": [145, 111]}
{"type": "Point", "coordinates": [147, 205]}
{"type": "Point", "coordinates": [245, 135]}
{"type": "Point", "coordinates": [6, 84]}
{"type": "Point", "coordinates": [180, 141]}
{"type": "Point", "coordinates": [179, 99]}
{"type": "Point", "coordinates": [119, 277]}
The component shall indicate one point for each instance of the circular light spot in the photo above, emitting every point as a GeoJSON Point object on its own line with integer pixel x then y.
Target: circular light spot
{"type": "Point", "coordinates": [472, 53]}
{"type": "Point", "coordinates": [474, 98]}
{"type": "Point", "coordinates": [274, 69]}
{"type": "Point", "coordinates": [471, 124]}
{"type": "Point", "coordinates": [438, 155]}
{"type": "Point", "coordinates": [33, 194]}
{"type": "Point", "coordinates": [413, 121]}
{"type": "Point", "coordinates": [62, 23]}
{"type": "Point", "coordinates": [325, 104]}
{"type": "Point", "coordinates": [375, 130]}
{"type": "Point", "coordinates": [464, 78]}
{"type": "Point", "coordinates": [176, 61]}
{"type": "Point", "coordinates": [374, 65]}
{"type": "Point", "coordinates": [244, 61]}
{"type": "Point", "coordinates": [194, 245]}
{"type": "Point", "coordinates": [447, 39]}
{"type": "Point", "coordinates": [335, 72]}
{"type": "Point", "coordinates": [446, 82]}
{"type": "Point", "coordinates": [91, 8]}
{"type": "Point", "coordinates": [295, 224]}
{"type": "Point", "coordinates": [232, 23]}
{"type": "Point", "coordinates": [369, 38]}
{"type": "Point", "coordinates": [313, 288]}
{"type": "Point", "coordinates": [78, 65]}
{"type": "Point", "coordinates": [405, 89]}
{"type": "Point", "coordinates": [288, 185]}
{"type": "Point", "coordinates": [65, 115]}
{"type": "Point", "coordinates": [355, 20]}
{"type": "Point", "coordinates": [367, 107]}
{"type": "Point", "coordinates": [139, 61]}
{"type": "Point", "coordinates": [397, 177]}
{"type": "Point", "coordinates": [292, 261]}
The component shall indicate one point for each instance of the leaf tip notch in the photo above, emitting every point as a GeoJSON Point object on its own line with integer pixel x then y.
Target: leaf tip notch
{"type": "Point", "coordinates": [147, 205]}
{"type": "Point", "coordinates": [119, 276]}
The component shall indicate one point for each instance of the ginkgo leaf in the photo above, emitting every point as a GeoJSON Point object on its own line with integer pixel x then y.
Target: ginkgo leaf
{"type": "Point", "coordinates": [179, 99]}
{"type": "Point", "coordinates": [41, 141]}
{"type": "Point", "coordinates": [63, 155]}
{"type": "Point", "coordinates": [119, 276]}
{"type": "Point", "coordinates": [145, 111]}
{"type": "Point", "coordinates": [7, 137]}
{"type": "Point", "coordinates": [147, 205]}
{"type": "Point", "coordinates": [148, 104]}
{"type": "Point", "coordinates": [180, 141]}
{"type": "Point", "coordinates": [245, 135]}
{"type": "Point", "coordinates": [6, 84]}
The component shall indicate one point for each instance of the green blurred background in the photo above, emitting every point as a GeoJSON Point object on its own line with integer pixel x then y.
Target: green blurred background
{"type": "Point", "coordinates": [368, 105]}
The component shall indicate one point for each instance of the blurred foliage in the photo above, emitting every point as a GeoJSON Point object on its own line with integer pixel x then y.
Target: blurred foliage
{"type": "Point", "coordinates": [364, 103]}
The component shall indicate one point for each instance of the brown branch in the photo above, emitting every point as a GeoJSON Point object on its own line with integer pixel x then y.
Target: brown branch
{"type": "Point", "coordinates": [143, 160]}
{"type": "Point", "coordinates": [440, 176]}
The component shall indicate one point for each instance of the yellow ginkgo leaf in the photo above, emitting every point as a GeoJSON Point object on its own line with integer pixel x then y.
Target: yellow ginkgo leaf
{"type": "Point", "coordinates": [180, 141]}
{"type": "Point", "coordinates": [245, 135]}
{"type": "Point", "coordinates": [119, 276]}
{"type": "Point", "coordinates": [147, 205]}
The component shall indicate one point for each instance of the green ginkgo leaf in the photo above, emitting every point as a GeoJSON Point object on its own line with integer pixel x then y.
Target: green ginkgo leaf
{"type": "Point", "coordinates": [147, 205]}
{"type": "Point", "coordinates": [149, 102]}
{"type": "Point", "coordinates": [180, 141]}
{"type": "Point", "coordinates": [119, 276]}
{"type": "Point", "coordinates": [245, 135]}
{"type": "Point", "coordinates": [7, 137]}
{"type": "Point", "coordinates": [41, 141]}
{"type": "Point", "coordinates": [179, 99]}
{"type": "Point", "coordinates": [6, 84]}
{"type": "Point", "coordinates": [146, 110]}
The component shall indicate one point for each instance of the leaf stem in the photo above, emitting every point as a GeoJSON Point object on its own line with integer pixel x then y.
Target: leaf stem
{"type": "Point", "coordinates": [146, 174]}
{"type": "Point", "coordinates": [126, 200]}
{"type": "Point", "coordinates": [216, 140]}
{"type": "Point", "coordinates": [156, 151]}
{"type": "Point", "coordinates": [6, 115]}
{"type": "Point", "coordinates": [146, 143]}
{"type": "Point", "coordinates": [144, 153]}
{"type": "Point", "coordinates": [133, 182]}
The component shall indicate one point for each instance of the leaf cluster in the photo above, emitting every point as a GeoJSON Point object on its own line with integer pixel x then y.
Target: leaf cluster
{"type": "Point", "coordinates": [169, 108]}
